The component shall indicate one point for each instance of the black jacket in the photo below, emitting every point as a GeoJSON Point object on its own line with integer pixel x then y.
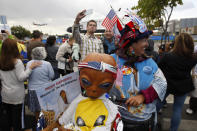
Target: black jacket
{"type": "Point", "coordinates": [177, 70]}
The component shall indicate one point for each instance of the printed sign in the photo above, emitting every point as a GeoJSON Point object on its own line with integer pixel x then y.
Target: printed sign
{"type": "Point", "coordinates": [3, 19]}
{"type": "Point", "coordinates": [57, 95]}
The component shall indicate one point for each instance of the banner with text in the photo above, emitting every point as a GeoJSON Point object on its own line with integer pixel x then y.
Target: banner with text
{"type": "Point", "coordinates": [58, 94]}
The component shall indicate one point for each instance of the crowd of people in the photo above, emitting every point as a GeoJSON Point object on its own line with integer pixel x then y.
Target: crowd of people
{"type": "Point", "coordinates": [143, 77]}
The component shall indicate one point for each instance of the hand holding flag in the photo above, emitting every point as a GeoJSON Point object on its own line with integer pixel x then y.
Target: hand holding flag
{"type": "Point", "coordinates": [111, 22]}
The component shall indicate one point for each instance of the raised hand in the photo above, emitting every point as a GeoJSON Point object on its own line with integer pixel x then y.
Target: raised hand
{"type": "Point", "coordinates": [80, 16]}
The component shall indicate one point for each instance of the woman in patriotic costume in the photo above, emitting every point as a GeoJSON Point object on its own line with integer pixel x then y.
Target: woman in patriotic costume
{"type": "Point", "coordinates": [139, 80]}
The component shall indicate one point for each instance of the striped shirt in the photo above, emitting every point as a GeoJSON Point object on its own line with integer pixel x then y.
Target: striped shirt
{"type": "Point", "coordinates": [88, 44]}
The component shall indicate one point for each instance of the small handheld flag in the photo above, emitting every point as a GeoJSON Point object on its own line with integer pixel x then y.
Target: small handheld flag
{"type": "Point", "coordinates": [110, 20]}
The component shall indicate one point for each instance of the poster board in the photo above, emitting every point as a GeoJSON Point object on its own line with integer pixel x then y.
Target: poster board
{"type": "Point", "coordinates": [49, 95]}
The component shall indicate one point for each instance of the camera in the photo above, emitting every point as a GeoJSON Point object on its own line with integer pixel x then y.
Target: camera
{"type": "Point", "coordinates": [171, 45]}
{"type": "Point", "coordinates": [3, 31]}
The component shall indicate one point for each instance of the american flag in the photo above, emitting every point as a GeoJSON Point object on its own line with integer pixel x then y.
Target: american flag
{"type": "Point", "coordinates": [110, 20]}
{"type": "Point", "coordinates": [95, 65]}
{"type": "Point", "coordinates": [98, 66]}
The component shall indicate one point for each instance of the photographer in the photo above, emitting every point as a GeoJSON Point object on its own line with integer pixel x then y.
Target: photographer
{"type": "Point", "coordinates": [63, 56]}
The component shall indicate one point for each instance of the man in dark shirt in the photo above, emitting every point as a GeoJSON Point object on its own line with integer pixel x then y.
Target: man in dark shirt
{"type": "Point", "coordinates": [35, 42]}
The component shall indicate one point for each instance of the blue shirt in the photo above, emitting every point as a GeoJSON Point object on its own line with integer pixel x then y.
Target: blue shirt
{"type": "Point", "coordinates": [40, 75]}
{"type": "Point", "coordinates": [145, 78]}
{"type": "Point", "coordinates": [110, 45]}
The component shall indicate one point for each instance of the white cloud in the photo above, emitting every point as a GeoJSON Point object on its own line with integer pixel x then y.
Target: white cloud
{"type": "Point", "coordinates": [60, 14]}
{"type": "Point", "coordinates": [186, 10]}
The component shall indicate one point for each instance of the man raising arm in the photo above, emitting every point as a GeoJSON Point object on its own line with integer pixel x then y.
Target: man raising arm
{"type": "Point", "coordinates": [89, 42]}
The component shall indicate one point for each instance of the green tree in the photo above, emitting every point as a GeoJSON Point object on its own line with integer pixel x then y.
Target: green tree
{"type": "Point", "coordinates": [20, 32]}
{"type": "Point", "coordinates": [157, 13]}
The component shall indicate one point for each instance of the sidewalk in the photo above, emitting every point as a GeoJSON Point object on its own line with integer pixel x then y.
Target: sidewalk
{"type": "Point", "coordinates": [188, 123]}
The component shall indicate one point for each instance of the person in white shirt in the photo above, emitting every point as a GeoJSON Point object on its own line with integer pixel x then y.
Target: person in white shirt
{"type": "Point", "coordinates": [64, 57]}
{"type": "Point", "coordinates": [12, 76]}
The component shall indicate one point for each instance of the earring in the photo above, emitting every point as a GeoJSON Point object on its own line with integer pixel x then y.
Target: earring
{"type": "Point", "coordinates": [130, 52]}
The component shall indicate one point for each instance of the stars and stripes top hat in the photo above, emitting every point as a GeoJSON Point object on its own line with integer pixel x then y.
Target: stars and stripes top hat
{"type": "Point", "coordinates": [100, 66]}
{"type": "Point", "coordinates": [133, 31]}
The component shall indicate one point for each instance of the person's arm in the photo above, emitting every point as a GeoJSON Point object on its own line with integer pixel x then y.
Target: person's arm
{"type": "Point", "coordinates": [75, 29]}
{"type": "Point", "coordinates": [23, 74]}
{"type": "Point", "coordinates": [157, 88]}
{"type": "Point", "coordinates": [76, 33]}
{"type": "Point", "coordinates": [160, 84]}
{"type": "Point", "coordinates": [149, 94]}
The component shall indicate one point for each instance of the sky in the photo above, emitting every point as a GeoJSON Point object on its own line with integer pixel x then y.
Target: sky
{"type": "Point", "coordinates": [60, 14]}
